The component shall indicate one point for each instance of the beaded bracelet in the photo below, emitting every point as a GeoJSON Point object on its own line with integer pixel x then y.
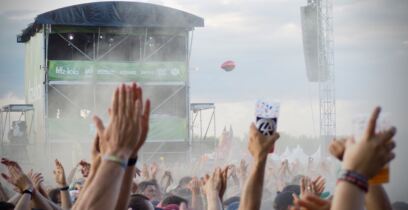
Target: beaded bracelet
{"type": "Point", "coordinates": [354, 178]}
{"type": "Point", "coordinates": [121, 162]}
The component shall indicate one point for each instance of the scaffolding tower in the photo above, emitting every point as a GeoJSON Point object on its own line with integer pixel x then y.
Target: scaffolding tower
{"type": "Point", "coordinates": [317, 27]}
{"type": "Point", "coordinates": [327, 97]}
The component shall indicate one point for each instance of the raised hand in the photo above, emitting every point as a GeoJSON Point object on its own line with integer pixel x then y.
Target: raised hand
{"type": "Point", "coordinates": [259, 144]}
{"type": "Point", "coordinates": [213, 183]}
{"type": "Point", "coordinates": [122, 136]}
{"type": "Point", "coordinates": [310, 201]}
{"type": "Point", "coordinates": [145, 172]}
{"type": "Point", "coordinates": [59, 174]}
{"type": "Point", "coordinates": [337, 148]}
{"type": "Point", "coordinates": [224, 181]}
{"type": "Point", "coordinates": [373, 152]}
{"type": "Point", "coordinates": [243, 167]}
{"type": "Point", "coordinates": [319, 184]}
{"type": "Point", "coordinates": [195, 185]}
{"type": "Point", "coordinates": [306, 186]}
{"type": "Point", "coordinates": [154, 168]}
{"type": "Point", "coordinates": [166, 180]}
{"type": "Point", "coordinates": [16, 176]}
{"type": "Point", "coordinates": [36, 178]}
{"type": "Point", "coordinates": [85, 168]}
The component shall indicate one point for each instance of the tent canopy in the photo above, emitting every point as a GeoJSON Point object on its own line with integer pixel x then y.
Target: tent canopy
{"type": "Point", "coordinates": [114, 14]}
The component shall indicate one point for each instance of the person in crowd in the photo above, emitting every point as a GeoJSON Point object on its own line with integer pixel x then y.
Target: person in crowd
{"type": "Point", "coordinates": [111, 180]}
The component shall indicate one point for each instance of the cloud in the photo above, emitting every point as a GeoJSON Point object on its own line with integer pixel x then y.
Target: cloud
{"type": "Point", "coordinates": [28, 15]}
{"type": "Point", "coordinates": [11, 98]}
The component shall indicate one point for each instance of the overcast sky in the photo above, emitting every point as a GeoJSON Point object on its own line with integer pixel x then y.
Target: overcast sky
{"type": "Point", "coordinates": [264, 38]}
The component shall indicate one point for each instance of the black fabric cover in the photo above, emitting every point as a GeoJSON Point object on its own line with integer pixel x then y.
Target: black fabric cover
{"type": "Point", "coordinates": [114, 14]}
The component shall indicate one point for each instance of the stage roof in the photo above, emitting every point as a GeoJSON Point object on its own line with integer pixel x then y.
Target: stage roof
{"type": "Point", "coordinates": [17, 108]}
{"type": "Point", "coordinates": [114, 14]}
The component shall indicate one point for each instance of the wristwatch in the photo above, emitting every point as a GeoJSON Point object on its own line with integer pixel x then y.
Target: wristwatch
{"type": "Point", "coordinates": [28, 191]}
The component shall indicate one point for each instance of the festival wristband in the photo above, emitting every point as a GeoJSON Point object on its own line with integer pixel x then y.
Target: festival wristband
{"type": "Point", "coordinates": [355, 178]}
{"type": "Point", "coordinates": [132, 161]}
{"type": "Point", "coordinates": [64, 188]}
{"type": "Point", "coordinates": [121, 162]}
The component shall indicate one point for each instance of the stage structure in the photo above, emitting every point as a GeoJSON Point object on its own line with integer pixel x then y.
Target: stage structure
{"type": "Point", "coordinates": [14, 130]}
{"type": "Point", "coordinates": [197, 112]}
{"type": "Point", "coordinates": [75, 56]}
{"type": "Point", "coordinates": [318, 45]}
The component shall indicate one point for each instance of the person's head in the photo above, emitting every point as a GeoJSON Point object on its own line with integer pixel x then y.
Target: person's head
{"type": "Point", "coordinates": [399, 206]}
{"type": "Point", "coordinates": [283, 200]}
{"type": "Point", "coordinates": [292, 188]}
{"type": "Point", "coordinates": [233, 206]}
{"type": "Point", "coordinates": [77, 184]}
{"type": "Point", "coordinates": [173, 199]}
{"type": "Point", "coordinates": [148, 189]}
{"type": "Point", "coordinates": [6, 206]}
{"type": "Point", "coordinates": [140, 202]}
{"type": "Point", "coordinates": [55, 196]}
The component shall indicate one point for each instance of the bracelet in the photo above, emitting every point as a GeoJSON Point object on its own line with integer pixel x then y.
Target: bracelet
{"type": "Point", "coordinates": [64, 188]}
{"type": "Point", "coordinates": [28, 192]}
{"type": "Point", "coordinates": [121, 162]}
{"type": "Point", "coordinates": [355, 178]}
{"type": "Point", "coordinates": [132, 161]}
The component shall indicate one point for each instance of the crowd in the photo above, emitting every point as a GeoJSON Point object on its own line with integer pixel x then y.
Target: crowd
{"type": "Point", "coordinates": [111, 180]}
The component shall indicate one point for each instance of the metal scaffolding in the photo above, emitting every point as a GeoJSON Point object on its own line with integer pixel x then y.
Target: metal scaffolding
{"type": "Point", "coordinates": [327, 97]}
{"type": "Point", "coordinates": [317, 27]}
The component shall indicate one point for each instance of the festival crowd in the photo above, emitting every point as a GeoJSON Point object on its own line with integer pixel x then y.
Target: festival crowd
{"type": "Point", "coordinates": [111, 180]}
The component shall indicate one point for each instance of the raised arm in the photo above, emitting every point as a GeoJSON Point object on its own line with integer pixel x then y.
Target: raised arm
{"type": "Point", "coordinates": [117, 143]}
{"type": "Point", "coordinates": [125, 191]}
{"type": "Point", "coordinates": [376, 198]}
{"type": "Point", "coordinates": [259, 146]}
{"type": "Point", "coordinates": [196, 200]}
{"type": "Point", "coordinates": [23, 183]}
{"type": "Point", "coordinates": [212, 188]}
{"type": "Point", "coordinates": [60, 179]}
{"type": "Point", "coordinates": [362, 161]}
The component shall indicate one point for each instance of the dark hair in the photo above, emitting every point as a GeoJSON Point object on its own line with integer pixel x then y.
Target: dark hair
{"type": "Point", "coordinates": [292, 188]}
{"type": "Point", "coordinates": [143, 185]}
{"type": "Point", "coordinates": [173, 199]}
{"type": "Point", "coordinates": [53, 194]}
{"type": "Point", "coordinates": [139, 202]}
{"type": "Point", "coordinates": [6, 206]}
{"type": "Point", "coordinates": [399, 205]}
{"type": "Point", "coordinates": [283, 200]}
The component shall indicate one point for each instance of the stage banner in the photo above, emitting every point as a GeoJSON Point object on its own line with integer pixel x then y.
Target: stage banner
{"type": "Point", "coordinates": [161, 128]}
{"type": "Point", "coordinates": [64, 70]}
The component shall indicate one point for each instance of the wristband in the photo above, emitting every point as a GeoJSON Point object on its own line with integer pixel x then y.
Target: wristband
{"type": "Point", "coordinates": [28, 192]}
{"type": "Point", "coordinates": [64, 188]}
{"type": "Point", "coordinates": [121, 162]}
{"type": "Point", "coordinates": [356, 179]}
{"type": "Point", "coordinates": [132, 161]}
